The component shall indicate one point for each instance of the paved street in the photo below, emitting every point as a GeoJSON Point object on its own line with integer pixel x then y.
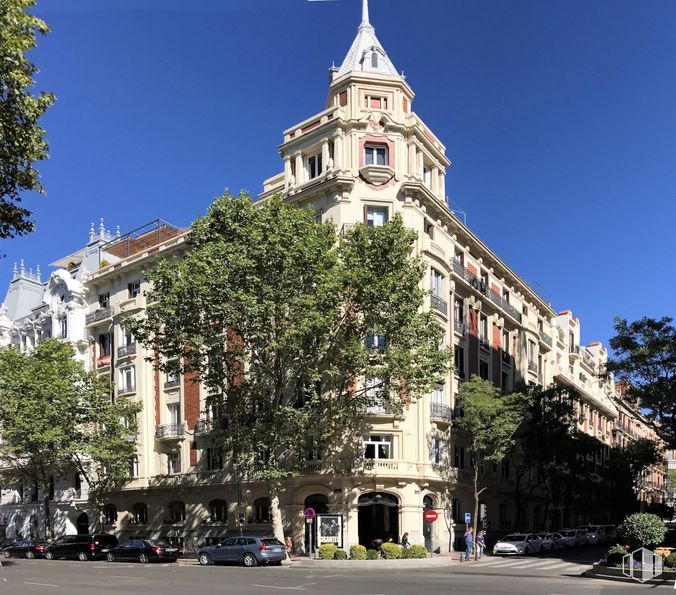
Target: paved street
{"type": "Point", "coordinates": [552, 574]}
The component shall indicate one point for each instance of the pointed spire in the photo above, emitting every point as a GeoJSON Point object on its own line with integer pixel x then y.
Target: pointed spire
{"type": "Point", "coordinates": [22, 268]}
{"type": "Point", "coordinates": [102, 229]}
{"type": "Point", "coordinates": [365, 14]}
{"type": "Point", "coordinates": [117, 231]}
{"type": "Point", "coordinates": [37, 273]}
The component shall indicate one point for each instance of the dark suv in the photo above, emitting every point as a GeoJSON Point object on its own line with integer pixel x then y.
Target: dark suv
{"type": "Point", "coordinates": [249, 551]}
{"type": "Point", "coordinates": [83, 547]}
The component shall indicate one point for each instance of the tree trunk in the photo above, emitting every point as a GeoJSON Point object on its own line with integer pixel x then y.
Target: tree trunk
{"type": "Point", "coordinates": [48, 521]}
{"type": "Point", "coordinates": [276, 512]}
{"type": "Point", "coordinates": [475, 522]}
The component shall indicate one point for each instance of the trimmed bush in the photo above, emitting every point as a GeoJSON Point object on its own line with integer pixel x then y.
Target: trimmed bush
{"type": "Point", "coordinates": [417, 551]}
{"type": "Point", "coordinates": [406, 553]}
{"type": "Point", "coordinates": [372, 554]}
{"type": "Point", "coordinates": [327, 551]}
{"type": "Point", "coordinates": [340, 555]}
{"type": "Point", "coordinates": [642, 530]}
{"type": "Point", "coordinates": [357, 552]}
{"type": "Point", "coordinates": [615, 555]}
{"type": "Point", "coordinates": [670, 560]}
{"type": "Point", "coordinates": [390, 551]}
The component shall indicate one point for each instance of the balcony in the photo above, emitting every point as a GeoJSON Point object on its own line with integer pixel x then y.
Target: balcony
{"type": "Point", "coordinates": [126, 390]}
{"type": "Point", "coordinates": [439, 304]}
{"type": "Point", "coordinates": [103, 361]}
{"type": "Point", "coordinates": [533, 367]}
{"type": "Point", "coordinates": [545, 338]}
{"type": "Point", "coordinates": [170, 431]}
{"type": "Point", "coordinates": [574, 351]}
{"type": "Point", "coordinates": [172, 383]}
{"type": "Point", "coordinates": [441, 411]}
{"type": "Point", "coordinates": [588, 360]}
{"type": "Point", "coordinates": [126, 350]}
{"type": "Point", "coordinates": [205, 425]}
{"type": "Point", "coordinates": [503, 304]}
{"type": "Point", "coordinates": [100, 314]}
{"type": "Point", "coordinates": [484, 343]}
{"type": "Point", "coordinates": [460, 328]}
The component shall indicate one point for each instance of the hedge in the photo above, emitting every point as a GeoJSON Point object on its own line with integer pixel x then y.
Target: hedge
{"type": "Point", "coordinates": [390, 551]}
{"type": "Point", "coordinates": [357, 552]}
{"type": "Point", "coordinates": [372, 555]}
{"type": "Point", "coordinates": [327, 551]}
{"type": "Point", "coordinates": [340, 555]}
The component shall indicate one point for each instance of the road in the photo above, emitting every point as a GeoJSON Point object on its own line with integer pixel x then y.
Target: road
{"type": "Point", "coordinates": [549, 575]}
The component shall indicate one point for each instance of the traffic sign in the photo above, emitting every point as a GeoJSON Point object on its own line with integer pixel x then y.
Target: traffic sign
{"type": "Point", "coordinates": [309, 513]}
{"type": "Point", "coordinates": [468, 518]}
{"type": "Point", "coordinates": [430, 515]}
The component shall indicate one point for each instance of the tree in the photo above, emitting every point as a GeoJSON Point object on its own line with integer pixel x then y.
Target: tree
{"type": "Point", "coordinates": [281, 321]}
{"type": "Point", "coordinates": [640, 455]}
{"type": "Point", "coordinates": [645, 357]}
{"type": "Point", "coordinates": [22, 141]}
{"type": "Point", "coordinates": [642, 530]}
{"type": "Point", "coordinates": [55, 418]}
{"type": "Point", "coordinates": [490, 421]}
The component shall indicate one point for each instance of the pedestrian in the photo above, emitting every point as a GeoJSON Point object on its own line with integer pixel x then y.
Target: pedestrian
{"type": "Point", "coordinates": [404, 541]}
{"type": "Point", "coordinates": [469, 544]}
{"type": "Point", "coordinates": [480, 544]}
{"type": "Point", "coordinates": [289, 546]}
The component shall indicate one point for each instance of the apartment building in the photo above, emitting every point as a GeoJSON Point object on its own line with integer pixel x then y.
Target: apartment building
{"type": "Point", "coordinates": [364, 158]}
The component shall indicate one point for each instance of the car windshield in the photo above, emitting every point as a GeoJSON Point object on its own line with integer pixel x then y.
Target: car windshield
{"type": "Point", "coordinates": [162, 544]}
{"type": "Point", "coordinates": [271, 541]}
{"type": "Point", "coordinates": [568, 533]}
{"type": "Point", "coordinates": [543, 536]}
{"type": "Point", "coordinates": [514, 537]}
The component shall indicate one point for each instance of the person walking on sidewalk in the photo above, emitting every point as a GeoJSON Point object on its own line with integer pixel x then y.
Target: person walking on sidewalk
{"type": "Point", "coordinates": [469, 544]}
{"type": "Point", "coordinates": [480, 544]}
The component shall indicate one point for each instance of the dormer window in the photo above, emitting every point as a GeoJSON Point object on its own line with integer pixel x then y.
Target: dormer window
{"type": "Point", "coordinates": [376, 155]}
{"type": "Point", "coordinates": [314, 166]}
{"type": "Point", "coordinates": [374, 60]}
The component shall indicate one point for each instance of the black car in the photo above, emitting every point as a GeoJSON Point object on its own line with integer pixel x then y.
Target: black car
{"type": "Point", "coordinates": [249, 551]}
{"type": "Point", "coordinates": [25, 548]}
{"type": "Point", "coordinates": [83, 547]}
{"type": "Point", "coordinates": [143, 551]}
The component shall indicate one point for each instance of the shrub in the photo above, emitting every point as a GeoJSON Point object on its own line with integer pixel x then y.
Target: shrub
{"type": "Point", "coordinates": [417, 551]}
{"type": "Point", "coordinates": [327, 551]}
{"type": "Point", "coordinates": [358, 552]}
{"type": "Point", "coordinates": [406, 553]}
{"type": "Point", "coordinates": [670, 560]}
{"type": "Point", "coordinates": [390, 551]}
{"type": "Point", "coordinates": [340, 555]}
{"type": "Point", "coordinates": [615, 555]}
{"type": "Point", "coordinates": [372, 554]}
{"type": "Point", "coordinates": [642, 530]}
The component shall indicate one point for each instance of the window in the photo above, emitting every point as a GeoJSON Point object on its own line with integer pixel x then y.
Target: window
{"type": "Point", "coordinates": [505, 296]}
{"type": "Point", "coordinates": [104, 345]}
{"type": "Point", "coordinates": [134, 289]}
{"type": "Point", "coordinates": [483, 328]}
{"type": "Point", "coordinates": [504, 382]}
{"type": "Point", "coordinates": [104, 300]}
{"type": "Point", "coordinates": [218, 511]}
{"type": "Point", "coordinates": [127, 378]}
{"type": "Point", "coordinates": [63, 326]}
{"type": "Point", "coordinates": [110, 514]}
{"type": "Point", "coordinates": [455, 509]}
{"type": "Point", "coordinates": [140, 513]}
{"type": "Point", "coordinates": [314, 165]}
{"type": "Point", "coordinates": [437, 450]}
{"type": "Point", "coordinates": [427, 176]}
{"type": "Point", "coordinates": [375, 342]}
{"type": "Point", "coordinates": [437, 283]}
{"type": "Point", "coordinates": [376, 155]}
{"type": "Point", "coordinates": [460, 362]}
{"type": "Point", "coordinates": [127, 337]}
{"type": "Point", "coordinates": [459, 457]}
{"type": "Point", "coordinates": [374, 394]}
{"type": "Point", "coordinates": [458, 310]}
{"type": "Point", "coordinates": [484, 281]}
{"type": "Point", "coordinates": [483, 369]}
{"type": "Point", "coordinates": [438, 394]}
{"type": "Point", "coordinates": [377, 447]}
{"type": "Point", "coordinates": [374, 60]}
{"type": "Point", "coordinates": [261, 509]}
{"type": "Point", "coordinates": [459, 257]}
{"type": "Point", "coordinates": [214, 459]}
{"type": "Point", "coordinates": [176, 512]}
{"type": "Point", "coordinates": [505, 342]}
{"type": "Point", "coordinates": [376, 216]}
{"type": "Point", "coordinates": [133, 466]}
{"type": "Point", "coordinates": [531, 352]}
{"type": "Point", "coordinates": [174, 463]}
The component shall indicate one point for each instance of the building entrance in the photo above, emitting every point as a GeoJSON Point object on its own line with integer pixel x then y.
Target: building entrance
{"type": "Point", "coordinates": [378, 518]}
{"type": "Point", "coordinates": [82, 524]}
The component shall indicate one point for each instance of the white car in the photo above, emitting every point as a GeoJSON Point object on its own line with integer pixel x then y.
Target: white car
{"type": "Point", "coordinates": [573, 537]}
{"type": "Point", "coordinates": [551, 541]}
{"type": "Point", "coordinates": [518, 544]}
{"type": "Point", "coordinates": [596, 534]}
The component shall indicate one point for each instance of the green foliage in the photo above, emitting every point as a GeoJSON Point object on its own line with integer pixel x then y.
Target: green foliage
{"type": "Point", "coordinates": [642, 530]}
{"type": "Point", "coordinates": [340, 555]}
{"type": "Point", "coordinates": [615, 555]}
{"type": "Point", "coordinates": [645, 356]}
{"type": "Point", "coordinates": [22, 140]}
{"type": "Point", "coordinates": [327, 551]}
{"type": "Point", "coordinates": [416, 551]}
{"type": "Point", "coordinates": [618, 549]}
{"type": "Point", "coordinates": [357, 552]}
{"type": "Point", "coordinates": [640, 455]}
{"type": "Point", "coordinates": [56, 418]}
{"type": "Point", "coordinates": [372, 554]}
{"type": "Point", "coordinates": [390, 551]}
{"type": "Point", "coordinates": [267, 289]}
{"type": "Point", "coordinates": [670, 560]}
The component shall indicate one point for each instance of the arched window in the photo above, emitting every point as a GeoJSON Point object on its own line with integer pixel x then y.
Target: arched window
{"type": "Point", "coordinates": [218, 511]}
{"type": "Point", "coordinates": [428, 503]}
{"type": "Point", "coordinates": [177, 512]}
{"type": "Point", "coordinates": [318, 502]}
{"type": "Point", "coordinates": [140, 513]}
{"type": "Point", "coordinates": [261, 509]}
{"type": "Point", "coordinates": [110, 513]}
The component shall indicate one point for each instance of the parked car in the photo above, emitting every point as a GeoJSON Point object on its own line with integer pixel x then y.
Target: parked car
{"type": "Point", "coordinates": [143, 551]}
{"type": "Point", "coordinates": [83, 547]}
{"type": "Point", "coordinates": [25, 548]}
{"type": "Point", "coordinates": [518, 543]}
{"type": "Point", "coordinates": [249, 551]}
{"type": "Point", "coordinates": [573, 537]}
{"type": "Point", "coordinates": [596, 535]}
{"type": "Point", "coordinates": [551, 541]}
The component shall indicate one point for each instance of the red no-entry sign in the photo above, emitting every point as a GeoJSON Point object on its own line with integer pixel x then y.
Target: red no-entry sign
{"type": "Point", "coordinates": [309, 514]}
{"type": "Point", "coordinates": [430, 515]}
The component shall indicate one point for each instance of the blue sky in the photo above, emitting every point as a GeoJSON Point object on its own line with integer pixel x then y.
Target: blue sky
{"type": "Point", "coordinates": [559, 117]}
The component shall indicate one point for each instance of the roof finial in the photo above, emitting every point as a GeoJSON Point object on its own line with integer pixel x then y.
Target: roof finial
{"type": "Point", "coordinates": [365, 12]}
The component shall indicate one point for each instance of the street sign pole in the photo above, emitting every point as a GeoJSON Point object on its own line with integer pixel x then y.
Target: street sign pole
{"type": "Point", "coordinates": [309, 514]}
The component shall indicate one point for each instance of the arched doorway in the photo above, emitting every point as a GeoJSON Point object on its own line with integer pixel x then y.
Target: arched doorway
{"type": "Point", "coordinates": [82, 523]}
{"type": "Point", "coordinates": [378, 518]}
{"type": "Point", "coordinates": [320, 504]}
{"type": "Point", "coordinates": [428, 504]}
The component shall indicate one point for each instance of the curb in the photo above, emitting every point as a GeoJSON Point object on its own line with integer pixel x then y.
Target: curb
{"type": "Point", "coordinates": [365, 564]}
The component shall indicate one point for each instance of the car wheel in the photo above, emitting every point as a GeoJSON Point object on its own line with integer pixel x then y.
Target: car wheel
{"type": "Point", "coordinates": [82, 556]}
{"type": "Point", "coordinates": [30, 555]}
{"type": "Point", "coordinates": [49, 555]}
{"type": "Point", "coordinates": [110, 557]}
{"type": "Point", "coordinates": [249, 560]}
{"type": "Point", "coordinates": [143, 559]}
{"type": "Point", "coordinates": [204, 559]}
{"type": "Point", "coordinates": [6, 554]}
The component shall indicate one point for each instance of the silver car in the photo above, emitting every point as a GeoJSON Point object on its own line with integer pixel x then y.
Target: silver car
{"type": "Point", "coordinates": [517, 544]}
{"type": "Point", "coordinates": [551, 541]}
{"type": "Point", "coordinates": [250, 551]}
{"type": "Point", "coordinates": [573, 537]}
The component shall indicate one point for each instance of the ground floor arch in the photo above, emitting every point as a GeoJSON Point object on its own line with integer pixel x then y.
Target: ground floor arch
{"type": "Point", "coordinates": [82, 523]}
{"type": "Point", "coordinates": [378, 518]}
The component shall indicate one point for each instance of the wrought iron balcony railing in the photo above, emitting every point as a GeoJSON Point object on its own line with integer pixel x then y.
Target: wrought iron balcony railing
{"type": "Point", "coordinates": [439, 304]}
{"type": "Point", "coordinates": [441, 411]}
{"type": "Point", "coordinates": [532, 367]}
{"type": "Point", "coordinates": [545, 338]}
{"type": "Point", "coordinates": [100, 314]}
{"type": "Point", "coordinates": [170, 431]}
{"type": "Point", "coordinates": [125, 350]}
